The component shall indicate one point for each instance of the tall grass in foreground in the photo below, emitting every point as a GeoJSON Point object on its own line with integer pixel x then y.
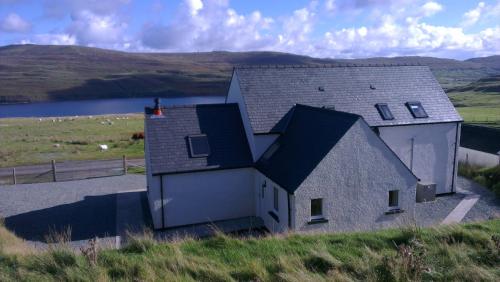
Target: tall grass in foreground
{"type": "Point", "coordinates": [449, 253]}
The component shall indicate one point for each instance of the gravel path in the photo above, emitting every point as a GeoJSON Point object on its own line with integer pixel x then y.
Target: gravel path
{"type": "Point", "coordinates": [89, 206]}
{"type": "Point", "coordinates": [488, 206]}
{"type": "Point", "coordinates": [433, 213]}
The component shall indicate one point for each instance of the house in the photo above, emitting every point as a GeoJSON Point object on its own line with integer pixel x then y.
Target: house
{"type": "Point", "coordinates": [305, 149]}
{"type": "Point", "coordinates": [405, 105]}
{"type": "Point", "coordinates": [480, 145]}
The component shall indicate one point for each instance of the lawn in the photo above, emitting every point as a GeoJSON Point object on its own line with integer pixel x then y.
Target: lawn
{"type": "Point", "coordinates": [448, 253]}
{"type": "Point", "coordinates": [477, 108]}
{"type": "Point", "coordinates": [33, 140]}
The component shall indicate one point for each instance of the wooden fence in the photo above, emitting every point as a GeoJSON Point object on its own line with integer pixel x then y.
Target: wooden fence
{"type": "Point", "coordinates": [67, 170]}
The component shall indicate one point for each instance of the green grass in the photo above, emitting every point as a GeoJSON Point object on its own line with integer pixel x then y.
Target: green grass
{"type": "Point", "coordinates": [477, 107]}
{"type": "Point", "coordinates": [468, 252]}
{"type": "Point", "coordinates": [30, 141]}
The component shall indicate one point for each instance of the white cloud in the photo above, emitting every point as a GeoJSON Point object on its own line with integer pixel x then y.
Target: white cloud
{"type": "Point", "coordinates": [431, 8]}
{"type": "Point", "coordinates": [391, 38]}
{"type": "Point", "coordinates": [97, 30]}
{"type": "Point", "coordinates": [14, 23]}
{"type": "Point", "coordinates": [211, 25]}
{"type": "Point", "coordinates": [330, 6]}
{"type": "Point", "coordinates": [51, 39]}
{"type": "Point", "coordinates": [472, 16]}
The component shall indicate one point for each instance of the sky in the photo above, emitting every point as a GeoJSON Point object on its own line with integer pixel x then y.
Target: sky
{"type": "Point", "coordinates": [328, 28]}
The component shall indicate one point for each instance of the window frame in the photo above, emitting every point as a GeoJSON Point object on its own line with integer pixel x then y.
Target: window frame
{"type": "Point", "coordinates": [191, 149]}
{"type": "Point", "coordinates": [276, 199]}
{"type": "Point", "coordinates": [390, 203]}
{"type": "Point", "coordinates": [415, 113]}
{"type": "Point", "coordinates": [321, 214]}
{"type": "Point", "coordinates": [383, 113]}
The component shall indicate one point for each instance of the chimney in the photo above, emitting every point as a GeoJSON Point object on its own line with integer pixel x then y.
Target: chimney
{"type": "Point", "coordinates": [157, 108]}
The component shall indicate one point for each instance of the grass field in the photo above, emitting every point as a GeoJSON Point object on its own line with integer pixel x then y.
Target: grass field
{"type": "Point", "coordinates": [477, 107]}
{"type": "Point", "coordinates": [31, 141]}
{"type": "Point", "coordinates": [452, 253]}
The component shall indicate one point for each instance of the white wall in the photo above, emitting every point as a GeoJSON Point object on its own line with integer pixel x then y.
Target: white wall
{"type": "Point", "coordinates": [208, 196]}
{"type": "Point", "coordinates": [262, 142]}
{"type": "Point", "coordinates": [433, 151]}
{"type": "Point", "coordinates": [479, 158]}
{"type": "Point", "coordinates": [265, 204]}
{"type": "Point", "coordinates": [354, 180]}
{"type": "Point", "coordinates": [154, 198]}
{"type": "Point", "coordinates": [153, 187]}
{"type": "Point", "coordinates": [234, 96]}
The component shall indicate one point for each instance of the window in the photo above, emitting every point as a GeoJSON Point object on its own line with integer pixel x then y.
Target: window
{"type": "Point", "coordinates": [276, 199]}
{"type": "Point", "coordinates": [263, 192]}
{"type": "Point", "coordinates": [198, 145]}
{"type": "Point", "coordinates": [316, 209]}
{"type": "Point", "coordinates": [394, 199]}
{"type": "Point", "coordinates": [416, 109]}
{"type": "Point", "coordinates": [384, 111]}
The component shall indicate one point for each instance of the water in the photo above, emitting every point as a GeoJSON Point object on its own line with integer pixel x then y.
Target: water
{"type": "Point", "coordinates": [96, 107]}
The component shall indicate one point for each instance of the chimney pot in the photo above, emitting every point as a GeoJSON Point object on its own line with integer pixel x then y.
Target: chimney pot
{"type": "Point", "coordinates": [157, 109]}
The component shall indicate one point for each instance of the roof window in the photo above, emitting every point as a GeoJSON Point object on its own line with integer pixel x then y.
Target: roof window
{"type": "Point", "coordinates": [416, 109]}
{"type": "Point", "coordinates": [198, 145]}
{"type": "Point", "coordinates": [384, 111]}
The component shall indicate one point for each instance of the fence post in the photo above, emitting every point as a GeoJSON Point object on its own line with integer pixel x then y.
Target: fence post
{"type": "Point", "coordinates": [14, 175]}
{"type": "Point", "coordinates": [124, 164]}
{"type": "Point", "coordinates": [54, 170]}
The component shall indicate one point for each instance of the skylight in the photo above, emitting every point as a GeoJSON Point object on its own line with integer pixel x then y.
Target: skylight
{"type": "Point", "coordinates": [416, 109]}
{"type": "Point", "coordinates": [198, 146]}
{"type": "Point", "coordinates": [384, 111]}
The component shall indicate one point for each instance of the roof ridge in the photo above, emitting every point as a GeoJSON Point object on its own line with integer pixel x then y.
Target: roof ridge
{"type": "Point", "coordinates": [197, 105]}
{"type": "Point", "coordinates": [332, 65]}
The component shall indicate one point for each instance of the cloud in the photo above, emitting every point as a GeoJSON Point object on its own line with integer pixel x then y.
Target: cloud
{"type": "Point", "coordinates": [392, 38]}
{"type": "Point", "coordinates": [206, 26]}
{"type": "Point", "coordinates": [93, 29]}
{"type": "Point", "coordinates": [61, 8]}
{"type": "Point", "coordinates": [472, 16]}
{"type": "Point", "coordinates": [51, 39]}
{"type": "Point", "coordinates": [431, 8]}
{"type": "Point", "coordinates": [14, 23]}
{"type": "Point", "coordinates": [330, 6]}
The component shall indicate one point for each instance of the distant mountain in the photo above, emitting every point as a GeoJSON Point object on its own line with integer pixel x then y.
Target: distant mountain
{"type": "Point", "coordinates": [491, 61]}
{"type": "Point", "coordinates": [489, 84]}
{"type": "Point", "coordinates": [30, 73]}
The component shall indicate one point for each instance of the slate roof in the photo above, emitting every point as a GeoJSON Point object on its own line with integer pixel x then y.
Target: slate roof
{"type": "Point", "coordinates": [480, 138]}
{"type": "Point", "coordinates": [309, 136]}
{"type": "Point", "coordinates": [270, 92]}
{"type": "Point", "coordinates": [167, 138]}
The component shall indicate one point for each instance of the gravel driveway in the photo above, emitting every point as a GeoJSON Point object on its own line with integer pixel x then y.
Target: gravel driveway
{"type": "Point", "coordinates": [89, 206]}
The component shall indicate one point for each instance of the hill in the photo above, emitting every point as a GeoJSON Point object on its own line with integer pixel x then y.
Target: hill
{"type": "Point", "coordinates": [30, 73]}
{"type": "Point", "coordinates": [448, 253]}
